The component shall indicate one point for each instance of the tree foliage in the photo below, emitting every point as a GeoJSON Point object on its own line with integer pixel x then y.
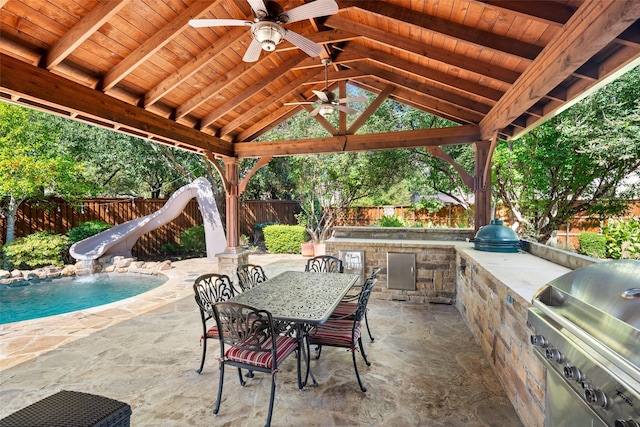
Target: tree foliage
{"type": "Point", "coordinates": [32, 165]}
{"type": "Point", "coordinates": [576, 162]}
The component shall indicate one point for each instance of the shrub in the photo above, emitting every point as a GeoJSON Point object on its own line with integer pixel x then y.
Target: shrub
{"type": "Point", "coordinates": [391, 221]}
{"type": "Point", "coordinates": [86, 229]}
{"type": "Point", "coordinates": [284, 239]}
{"type": "Point", "coordinates": [593, 245]}
{"type": "Point", "coordinates": [171, 249]}
{"type": "Point", "coordinates": [258, 235]}
{"type": "Point", "coordinates": [36, 250]}
{"type": "Point", "coordinates": [623, 239]}
{"type": "Point", "coordinates": [192, 240]}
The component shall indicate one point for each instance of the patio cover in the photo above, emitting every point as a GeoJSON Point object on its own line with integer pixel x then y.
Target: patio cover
{"type": "Point", "coordinates": [496, 68]}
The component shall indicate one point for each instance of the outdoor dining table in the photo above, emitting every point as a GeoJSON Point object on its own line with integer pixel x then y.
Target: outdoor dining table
{"type": "Point", "coordinates": [303, 299]}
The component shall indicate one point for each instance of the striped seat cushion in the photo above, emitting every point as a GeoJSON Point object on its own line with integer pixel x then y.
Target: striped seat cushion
{"type": "Point", "coordinates": [335, 332]}
{"type": "Point", "coordinates": [212, 332]}
{"type": "Point", "coordinates": [345, 309]}
{"type": "Point", "coordinates": [284, 347]}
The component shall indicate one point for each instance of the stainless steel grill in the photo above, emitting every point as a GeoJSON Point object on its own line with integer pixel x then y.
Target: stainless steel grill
{"type": "Point", "coordinates": [587, 333]}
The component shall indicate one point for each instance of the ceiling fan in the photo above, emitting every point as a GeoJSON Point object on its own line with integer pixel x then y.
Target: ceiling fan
{"type": "Point", "coordinates": [328, 100]}
{"type": "Point", "coordinates": [267, 28]}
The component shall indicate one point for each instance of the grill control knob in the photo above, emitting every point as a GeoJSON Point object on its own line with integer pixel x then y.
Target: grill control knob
{"type": "Point", "coordinates": [539, 341]}
{"type": "Point", "coordinates": [573, 373]}
{"type": "Point", "coordinates": [554, 354]}
{"type": "Point", "coordinates": [629, 423]}
{"type": "Point", "coordinates": [596, 397]}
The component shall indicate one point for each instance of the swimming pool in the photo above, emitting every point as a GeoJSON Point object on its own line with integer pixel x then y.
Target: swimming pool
{"type": "Point", "coordinates": [43, 298]}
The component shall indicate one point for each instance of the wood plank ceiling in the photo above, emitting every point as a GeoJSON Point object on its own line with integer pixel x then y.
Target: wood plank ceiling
{"type": "Point", "coordinates": [495, 67]}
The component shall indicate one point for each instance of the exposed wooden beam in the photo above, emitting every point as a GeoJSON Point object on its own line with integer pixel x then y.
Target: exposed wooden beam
{"type": "Point", "coordinates": [554, 14]}
{"type": "Point", "coordinates": [89, 24]}
{"type": "Point", "coordinates": [448, 80]}
{"type": "Point", "coordinates": [417, 101]}
{"type": "Point", "coordinates": [439, 96]}
{"type": "Point", "coordinates": [397, 42]}
{"type": "Point", "coordinates": [256, 108]}
{"type": "Point", "coordinates": [382, 96]}
{"type": "Point", "coordinates": [155, 43]}
{"type": "Point", "coordinates": [262, 161]}
{"type": "Point", "coordinates": [232, 103]}
{"type": "Point", "coordinates": [379, 141]}
{"type": "Point", "coordinates": [193, 66]}
{"type": "Point", "coordinates": [268, 123]}
{"type": "Point", "coordinates": [474, 36]}
{"type": "Point", "coordinates": [37, 84]}
{"type": "Point", "coordinates": [581, 38]}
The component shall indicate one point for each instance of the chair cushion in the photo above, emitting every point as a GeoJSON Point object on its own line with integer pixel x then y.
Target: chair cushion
{"type": "Point", "coordinates": [345, 309]}
{"type": "Point", "coordinates": [212, 332]}
{"type": "Point", "coordinates": [336, 333]}
{"type": "Point", "coordinates": [284, 347]}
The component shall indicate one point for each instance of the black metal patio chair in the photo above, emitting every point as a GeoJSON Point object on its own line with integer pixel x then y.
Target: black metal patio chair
{"type": "Point", "coordinates": [248, 339]}
{"type": "Point", "coordinates": [250, 275]}
{"type": "Point", "coordinates": [344, 332]}
{"type": "Point", "coordinates": [210, 289]}
{"type": "Point", "coordinates": [324, 264]}
{"type": "Point", "coordinates": [349, 304]}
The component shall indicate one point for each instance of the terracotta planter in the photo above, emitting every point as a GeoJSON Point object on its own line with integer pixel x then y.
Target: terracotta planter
{"type": "Point", "coordinates": [306, 249]}
{"type": "Point", "coordinates": [319, 249]}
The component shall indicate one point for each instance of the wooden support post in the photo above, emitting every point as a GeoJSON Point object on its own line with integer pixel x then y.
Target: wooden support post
{"type": "Point", "coordinates": [482, 184]}
{"type": "Point", "coordinates": [232, 175]}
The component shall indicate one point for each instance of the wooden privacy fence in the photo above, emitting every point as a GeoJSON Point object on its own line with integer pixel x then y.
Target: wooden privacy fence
{"type": "Point", "coordinates": [451, 216]}
{"type": "Point", "coordinates": [58, 216]}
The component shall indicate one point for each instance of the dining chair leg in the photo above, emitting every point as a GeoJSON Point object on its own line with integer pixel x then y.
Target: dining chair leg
{"type": "Point", "coordinates": [271, 399]}
{"type": "Point", "coordinates": [217, 408]}
{"type": "Point", "coordinates": [355, 367]}
{"type": "Point", "coordinates": [242, 383]}
{"type": "Point", "coordinates": [318, 351]}
{"type": "Point", "coordinates": [204, 353]}
{"type": "Point", "coordinates": [366, 321]}
{"type": "Point", "coordinates": [249, 374]}
{"type": "Point", "coordinates": [364, 355]}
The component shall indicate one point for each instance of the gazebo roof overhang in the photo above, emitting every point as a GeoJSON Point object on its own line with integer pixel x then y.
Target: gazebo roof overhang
{"type": "Point", "coordinates": [496, 68]}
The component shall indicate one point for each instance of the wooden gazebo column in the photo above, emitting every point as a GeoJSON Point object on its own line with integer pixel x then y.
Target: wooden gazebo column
{"type": "Point", "coordinates": [482, 183]}
{"type": "Point", "coordinates": [233, 255]}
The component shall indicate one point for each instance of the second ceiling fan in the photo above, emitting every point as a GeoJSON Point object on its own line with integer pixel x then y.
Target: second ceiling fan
{"type": "Point", "coordinates": [328, 100]}
{"type": "Point", "coordinates": [267, 29]}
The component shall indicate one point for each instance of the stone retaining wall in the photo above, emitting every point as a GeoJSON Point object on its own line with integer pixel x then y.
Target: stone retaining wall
{"type": "Point", "coordinates": [108, 264]}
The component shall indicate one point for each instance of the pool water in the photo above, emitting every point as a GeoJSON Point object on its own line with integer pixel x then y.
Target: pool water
{"type": "Point", "coordinates": [43, 298]}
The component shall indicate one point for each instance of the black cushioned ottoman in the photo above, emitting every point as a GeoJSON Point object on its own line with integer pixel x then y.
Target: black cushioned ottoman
{"type": "Point", "coordinates": [71, 409]}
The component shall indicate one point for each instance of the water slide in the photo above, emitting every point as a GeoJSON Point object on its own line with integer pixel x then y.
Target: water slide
{"type": "Point", "coordinates": [120, 239]}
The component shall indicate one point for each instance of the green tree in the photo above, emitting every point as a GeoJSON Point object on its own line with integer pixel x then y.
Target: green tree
{"type": "Point", "coordinates": [32, 165]}
{"type": "Point", "coordinates": [576, 162]}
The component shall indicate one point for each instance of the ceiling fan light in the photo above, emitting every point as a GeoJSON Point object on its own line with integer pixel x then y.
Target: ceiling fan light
{"type": "Point", "coordinates": [326, 110]}
{"type": "Point", "coordinates": [268, 34]}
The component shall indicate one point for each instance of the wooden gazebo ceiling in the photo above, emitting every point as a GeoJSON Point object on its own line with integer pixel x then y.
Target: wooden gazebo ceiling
{"type": "Point", "coordinates": [495, 67]}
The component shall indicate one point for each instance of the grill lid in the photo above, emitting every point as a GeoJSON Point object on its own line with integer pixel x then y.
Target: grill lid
{"type": "Point", "coordinates": [611, 287]}
{"type": "Point", "coordinates": [496, 237]}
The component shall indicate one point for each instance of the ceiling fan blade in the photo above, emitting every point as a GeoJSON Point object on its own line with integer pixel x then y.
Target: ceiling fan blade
{"type": "Point", "coordinates": [321, 95]}
{"type": "Point", "coordinates": [298, 103]}
{"type": "Point", "coordinates": [346, 109]}
{"type": "Point", "coordinates": [307, 46]}
{"type": "Point", "coordinates": [352, 99]}
{"type": "Point", "coordinates": [253, 51]}
{"type": "Point", "coordinates": [198, 23]}
{"type": "Point", "coordinates": [258, 7]}
{"type": "Point", "coordinates": [310, 10]}
{"type": "Point", "coordinates": [315, 112]}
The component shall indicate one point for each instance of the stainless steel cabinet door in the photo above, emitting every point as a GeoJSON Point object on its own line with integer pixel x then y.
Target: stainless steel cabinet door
{"type": "Point", "coordinates": [401, 271]}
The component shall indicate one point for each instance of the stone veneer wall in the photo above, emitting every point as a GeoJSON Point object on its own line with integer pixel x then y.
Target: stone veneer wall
{"type": "Point", "coordinates": [497, 318]}
{"type": "Point", "coordinates": [435, 267]}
